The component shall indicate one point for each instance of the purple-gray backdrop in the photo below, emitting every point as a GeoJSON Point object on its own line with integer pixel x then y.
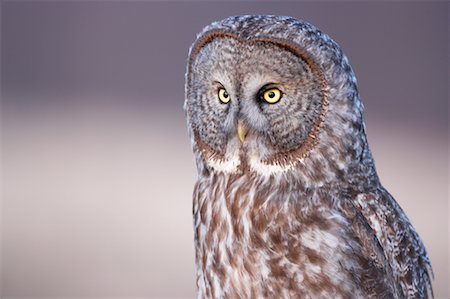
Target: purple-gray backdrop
{"type": "Point", "coordinates": [96, 163]}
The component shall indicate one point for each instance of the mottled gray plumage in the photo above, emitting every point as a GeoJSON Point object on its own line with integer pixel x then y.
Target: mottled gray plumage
{"type": "Point", "coordinates": [290, 206]}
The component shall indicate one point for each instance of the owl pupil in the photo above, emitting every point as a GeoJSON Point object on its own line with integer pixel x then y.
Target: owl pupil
{"type": "Point", "coordinates": [225, 94]}
{"type": "Point", "coordinates": [271, 94]}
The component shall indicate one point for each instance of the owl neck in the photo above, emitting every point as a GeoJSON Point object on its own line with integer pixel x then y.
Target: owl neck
{"type": "Point", "coordinates": [349, 168]}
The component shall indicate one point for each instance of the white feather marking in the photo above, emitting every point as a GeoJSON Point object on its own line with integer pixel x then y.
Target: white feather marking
{"type": "Point", "coordinates": [230, 162]}
{"type": "Point", "coordinates": [309, 239]}
{"type": "Point", "coordinates": [265, 169]}
{"type": "Point", "coordinates": [374, 221]}
{"type": "Point", "coordinates": [314, 268]}
{"type": "Point", "coordinates": [227, 166]}
{"type": "Point", "coordinates": [313, 238]}
{"type": "Point", "coordinates": [218, 293]}
{"type": "Point", "coordinates": [264, 270]}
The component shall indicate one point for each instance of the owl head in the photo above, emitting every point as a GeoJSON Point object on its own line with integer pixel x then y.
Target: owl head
{"type": "Point", "coordinates": [269, 95]}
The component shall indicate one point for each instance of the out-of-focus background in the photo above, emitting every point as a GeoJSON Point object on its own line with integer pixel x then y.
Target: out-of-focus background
{"type": "Point", "coordinates": [97, 170]}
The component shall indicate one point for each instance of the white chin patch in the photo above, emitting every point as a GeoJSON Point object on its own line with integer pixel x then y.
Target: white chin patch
{"type": "Point", "coordinates": [257, 153]}
{"type": "Point", "coordinates": [265, 169]}
{"type": "Point", "coordinates": [231, 161]}
{"type": "Point", "coordinates": [228, 165]}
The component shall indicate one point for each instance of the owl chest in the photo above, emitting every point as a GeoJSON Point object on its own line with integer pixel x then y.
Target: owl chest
{"type": "Point", "coordinates": [252, 248]}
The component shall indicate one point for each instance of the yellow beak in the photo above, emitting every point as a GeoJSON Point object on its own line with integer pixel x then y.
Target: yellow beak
{"type": "Point", "coordinates": [241, 131]}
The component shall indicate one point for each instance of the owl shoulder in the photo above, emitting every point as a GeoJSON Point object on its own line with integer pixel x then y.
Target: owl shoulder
{"type": "Point", "coordinates": [402, 247]}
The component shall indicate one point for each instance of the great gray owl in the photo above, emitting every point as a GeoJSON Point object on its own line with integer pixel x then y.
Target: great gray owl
{"type": "Point", "coordinates": [288, 203]}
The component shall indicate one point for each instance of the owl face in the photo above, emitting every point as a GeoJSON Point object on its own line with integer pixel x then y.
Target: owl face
{"type": "Point", "coordinates": [253, 103]}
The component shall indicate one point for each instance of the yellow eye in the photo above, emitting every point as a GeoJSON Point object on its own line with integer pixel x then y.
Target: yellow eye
{"type": "Point", "coordinates": [272, 95]}
{"type": "Point", "coordinates": [224, 97]}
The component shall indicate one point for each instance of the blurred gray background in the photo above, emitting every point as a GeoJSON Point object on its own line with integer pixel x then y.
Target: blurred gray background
{"type": "Point", "coordinates": [97, 170]}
